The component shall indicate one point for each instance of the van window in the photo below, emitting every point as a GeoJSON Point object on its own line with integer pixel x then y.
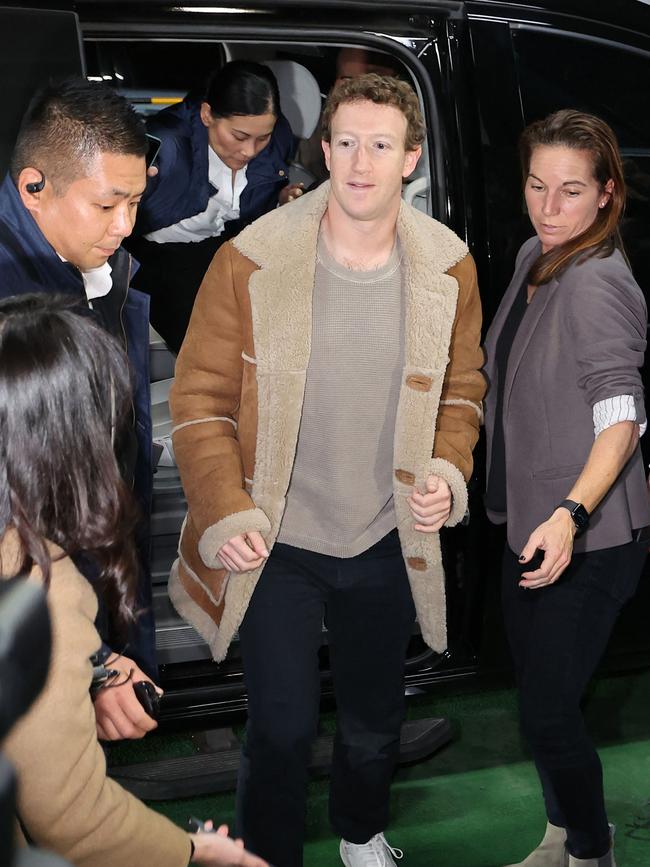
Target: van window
{"type": "Point", "coordinates": [154, 74]}
{"type": "Point", "coordinates": [35, 46]}
{"type": "Point", "coordinates": [156, 65]}
{"type": "Point", "coordinates": [565, 70]}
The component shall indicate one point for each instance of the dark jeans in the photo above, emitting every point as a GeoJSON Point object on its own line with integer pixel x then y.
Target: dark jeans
{"type": "Point", "coordinates": [557, 636]}
{"type": "Point", "coordinates": [369, 613]}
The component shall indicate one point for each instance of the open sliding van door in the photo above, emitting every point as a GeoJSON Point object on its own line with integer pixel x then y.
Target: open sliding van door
{"type": "Point", "coordinates": [36, 46]}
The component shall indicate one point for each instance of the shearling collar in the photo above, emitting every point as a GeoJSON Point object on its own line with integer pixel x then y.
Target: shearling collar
{"type": "Point", "coordinates": [266, 242]}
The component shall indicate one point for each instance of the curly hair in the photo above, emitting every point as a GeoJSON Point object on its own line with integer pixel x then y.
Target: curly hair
{"type": "Point", "coordinates": [382, 90]}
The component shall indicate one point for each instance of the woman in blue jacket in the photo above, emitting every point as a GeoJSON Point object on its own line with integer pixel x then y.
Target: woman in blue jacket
{"type": "Point", "coordinates": [223, 162]}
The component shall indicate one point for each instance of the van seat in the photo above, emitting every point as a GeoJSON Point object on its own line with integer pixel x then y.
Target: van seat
{"type": "Point", "coordinates": [416, 193]}
{"type": "Point", "coordinates": [161, 360]}
{"type": "Point", "coordinates": [300, 101]}
{"type": "Point", "coordinates": [300, 98]}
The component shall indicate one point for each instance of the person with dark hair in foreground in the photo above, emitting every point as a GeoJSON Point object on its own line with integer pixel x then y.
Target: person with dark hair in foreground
{"type": "Point", "coordinates": [64, 399]}
{"type": "Point", "coordinates": [223, 162]}
{"type": "Point", "coordinates": [76, 177]}
{"type": "Point", "coordinates": [326, 404]}
{"type": "Point", "coordinates": [563, 358]}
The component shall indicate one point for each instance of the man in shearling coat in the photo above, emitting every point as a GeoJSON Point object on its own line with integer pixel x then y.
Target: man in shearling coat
{"type": "Point", "coordinates": [326, 403]}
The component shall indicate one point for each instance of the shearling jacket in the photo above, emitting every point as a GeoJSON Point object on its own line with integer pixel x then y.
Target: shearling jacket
{"type": "Point", "coordinates": [237, 401]}
{"type": "Point", "coordinates": [581, 341]}
{"type": "Point", "coordinates": [66, 802]}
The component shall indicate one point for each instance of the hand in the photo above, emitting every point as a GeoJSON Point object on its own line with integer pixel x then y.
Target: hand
{"type": "Point", "coordinates": [218, 850]}
{"type": "Point", "coordinates": [118, 713]}
{"type": "Point", "coordinates": [243, 553]}
{"type": "Point", "coordinates": [431, 509]}
{"type": "Point", "coordinates": [291, 192]}
{"type": "Point", "coordinates": [555, 538]}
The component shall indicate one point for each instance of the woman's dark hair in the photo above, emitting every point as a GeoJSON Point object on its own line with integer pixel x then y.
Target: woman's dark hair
{"type": "Point", "coordinates": [64, 397]}
{"type": "Point", "coordinates": [242, 87]}
{"type": "Point", "coordinates": [579, 131]}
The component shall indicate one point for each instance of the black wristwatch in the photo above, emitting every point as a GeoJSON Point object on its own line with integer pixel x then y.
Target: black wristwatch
{"type": "Point", "coordinates": [578, 513]}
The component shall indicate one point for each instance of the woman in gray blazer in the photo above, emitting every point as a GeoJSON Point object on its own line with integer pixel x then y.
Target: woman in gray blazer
{"type": "Point", "coordinates": [563, 417]}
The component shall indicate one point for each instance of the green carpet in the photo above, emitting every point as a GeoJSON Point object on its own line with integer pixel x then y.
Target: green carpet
{"type": "Point", "coordinates": [477, 802]}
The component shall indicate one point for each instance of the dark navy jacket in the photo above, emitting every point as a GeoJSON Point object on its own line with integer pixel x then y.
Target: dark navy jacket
{"type": "Point", "coordinates": [182, 187]}
{"type": "Point", "coordinates": [28, 263]}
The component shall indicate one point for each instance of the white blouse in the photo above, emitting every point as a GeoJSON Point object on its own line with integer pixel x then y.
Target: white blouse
{"type": "Point", "coordinates": [222, 206]}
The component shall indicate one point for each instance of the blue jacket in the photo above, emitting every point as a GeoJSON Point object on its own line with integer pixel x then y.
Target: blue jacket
{"type": "Point", "coordinates": [182, 188]}
{"type": "Point", "coordinates": [29, 263]}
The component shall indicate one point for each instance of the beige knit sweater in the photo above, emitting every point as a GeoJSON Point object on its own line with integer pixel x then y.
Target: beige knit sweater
{"type": "Point", "coordinates": [340, 498]}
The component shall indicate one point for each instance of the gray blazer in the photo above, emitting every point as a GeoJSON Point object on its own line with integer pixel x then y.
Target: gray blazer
{"type": "Point", "coordinates": [582, 340]}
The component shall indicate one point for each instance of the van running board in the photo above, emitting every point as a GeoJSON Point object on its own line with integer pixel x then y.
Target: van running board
{"type": "Point", "coordinates": [216, 771]}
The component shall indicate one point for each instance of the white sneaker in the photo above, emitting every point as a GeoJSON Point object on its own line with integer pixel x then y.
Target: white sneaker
{"type": "Point", "coordinates": [375, 853]}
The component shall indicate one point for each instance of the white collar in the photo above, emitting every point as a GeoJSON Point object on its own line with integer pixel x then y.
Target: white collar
{"type": "Point", "coordinates": [98, 282]}
{"type": "Point", "coordinates": [220, 175]}
{"type": "Point", "coordinates": [215, 162]}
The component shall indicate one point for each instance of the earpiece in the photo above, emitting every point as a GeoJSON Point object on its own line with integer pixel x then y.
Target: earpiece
{"type": "Point", "coordinates": [36, 186]}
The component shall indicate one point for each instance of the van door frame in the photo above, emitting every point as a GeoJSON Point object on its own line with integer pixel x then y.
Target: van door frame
{"type": "Point", "coordinates": [427, 48]}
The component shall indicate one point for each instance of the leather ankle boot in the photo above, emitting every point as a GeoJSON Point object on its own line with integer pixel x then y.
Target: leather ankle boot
{"type": "Point", "coordinates": [550, 852]}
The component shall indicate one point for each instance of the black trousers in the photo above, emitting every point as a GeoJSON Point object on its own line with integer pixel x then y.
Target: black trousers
{"type": "Point", "coordinates": [557, 636]}
{"type": "Point", "coordinates": [171, 274]}
{"type": "Point", "coordinates": [369, 613]}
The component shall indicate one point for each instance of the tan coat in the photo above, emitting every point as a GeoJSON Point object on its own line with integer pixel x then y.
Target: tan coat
{"type": "Point", "coordinates": [65, 800]}
{"type": "Point", "coordinates": [237, 401]}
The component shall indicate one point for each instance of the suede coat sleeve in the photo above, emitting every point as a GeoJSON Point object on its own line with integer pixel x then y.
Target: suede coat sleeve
{"type": "Point", "coordinates": [460, 412]}
{"type": "Point", "coordinates": [213, 404]}
{"type": "Point", "coordinates": [65, 800]}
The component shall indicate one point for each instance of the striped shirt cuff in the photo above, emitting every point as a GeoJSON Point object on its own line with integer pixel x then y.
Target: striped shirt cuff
{"type": "Point", "coordinates": [610, 411]}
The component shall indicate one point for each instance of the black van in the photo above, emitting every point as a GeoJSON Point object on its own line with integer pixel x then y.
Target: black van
{"type": "Point", "coordinates": [483, 69]}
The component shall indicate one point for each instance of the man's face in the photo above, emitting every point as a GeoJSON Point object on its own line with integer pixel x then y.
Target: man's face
{"type": "Point", "coordinates": [89, 221]}
{"type": "Point", "coordinates": [367, 160]}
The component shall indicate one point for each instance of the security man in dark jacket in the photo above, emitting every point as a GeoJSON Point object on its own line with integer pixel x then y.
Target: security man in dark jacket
{"type": "Point", "coordinates": [77, 175]}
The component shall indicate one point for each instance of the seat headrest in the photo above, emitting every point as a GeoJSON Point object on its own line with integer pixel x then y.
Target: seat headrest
{"type": "Point", "coordinates": [300, 97]}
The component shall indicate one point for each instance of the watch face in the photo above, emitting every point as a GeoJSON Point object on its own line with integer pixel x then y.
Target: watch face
{"type": "Point", "coordinates": [580, 517]}
{"type": "Point", "coordinates": [579, 514]}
